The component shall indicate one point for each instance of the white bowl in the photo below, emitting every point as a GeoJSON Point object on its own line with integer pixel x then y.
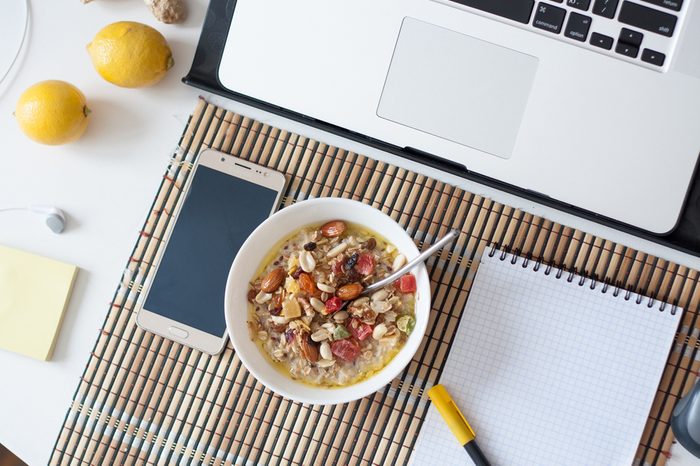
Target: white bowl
{"type": "Point", "coordinates": [275, 229]}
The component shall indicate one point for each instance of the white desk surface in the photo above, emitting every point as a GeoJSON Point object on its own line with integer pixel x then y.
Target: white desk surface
{"type": "Point", "coordinates": [106, 183]}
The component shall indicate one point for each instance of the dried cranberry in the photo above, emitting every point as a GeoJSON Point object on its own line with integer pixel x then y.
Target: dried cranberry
{"type": "Point", "coordinates": [275, 311]}
{"type": "Point", "coordinates": [337, 266]}
{"type": "Point", "coordinates": [347, 349]}
{"type": "Point", "coordinates": [310, 246]}
{"type": "Point", "coordinates": [351, 261]}
{"type": "Point", "coordinates": [333, 304]}
{"type": "Point", "coordinates": [365, 264]}
{"type": "Point", "coordinates": [359, 329]}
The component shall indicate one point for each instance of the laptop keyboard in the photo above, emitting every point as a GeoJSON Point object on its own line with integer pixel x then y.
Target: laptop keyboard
{"type": "Point", "coordinates": [643, 32]}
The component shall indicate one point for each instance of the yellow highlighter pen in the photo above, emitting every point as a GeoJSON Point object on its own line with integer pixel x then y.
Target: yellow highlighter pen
{"type": "Point", "coordinates": [457, 423]}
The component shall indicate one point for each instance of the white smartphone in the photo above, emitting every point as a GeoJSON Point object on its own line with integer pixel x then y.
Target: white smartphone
{"type": "Point", "coordinates": [226, 198]}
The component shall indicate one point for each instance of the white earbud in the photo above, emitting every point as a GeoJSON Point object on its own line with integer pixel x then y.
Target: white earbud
{"type": "Point", "coordinates": [54, 217]}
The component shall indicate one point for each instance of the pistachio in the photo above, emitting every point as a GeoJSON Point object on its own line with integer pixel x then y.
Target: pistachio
{"type": "Point", "coordinates": [379, 331]}
{"type": "Point", "coordinates": [349, 292]}
{"type": "Point", "coordinates": [325, 351]}
{"type": "Point", "coordinates": [333, 228]}
{"type": "Point", "coordinates": [380, 295]}
{"type": "Point", "coordinates": [273, 280]}
{"type": "Point", "coordinates": [262, 297]}
{"type": "Point", "coordinates": [320, 335]}
{"type": "Point", "coordinates": [307, 261]}
{"type": "Point", "coordinates": [340, 316]}
{"type": "Point", "coordinates": [325, 288]}
{"type": "Point", "coordinates": [399, 261]}
{"type": "Point", "coordinates": [337, 250]}
{"type": "Point", "coordinates": [318, 305]}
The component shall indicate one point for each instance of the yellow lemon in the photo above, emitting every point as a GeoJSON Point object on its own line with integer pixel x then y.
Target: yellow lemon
{"type": "Point", "coordinates": [52, 112]}
{"type": "Point", "coordinates": [130, 54]}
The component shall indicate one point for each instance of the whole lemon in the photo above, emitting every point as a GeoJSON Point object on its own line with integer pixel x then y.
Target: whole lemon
{"type": "Point", "coordinates": [130, 54]}
{"type": "Point", "coordinates": [52, 112]}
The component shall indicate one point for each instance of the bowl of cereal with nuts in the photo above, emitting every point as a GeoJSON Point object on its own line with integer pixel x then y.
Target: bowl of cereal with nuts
{"type": "Point", "coordinates": [296, 308]}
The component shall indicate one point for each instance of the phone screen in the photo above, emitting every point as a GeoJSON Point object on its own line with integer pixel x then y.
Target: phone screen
{"type": "Point", "coordinates": [218, 214]}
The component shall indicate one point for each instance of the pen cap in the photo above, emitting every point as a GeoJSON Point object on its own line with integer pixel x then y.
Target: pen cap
{"type": "Point", "coordinates": [451, 414]}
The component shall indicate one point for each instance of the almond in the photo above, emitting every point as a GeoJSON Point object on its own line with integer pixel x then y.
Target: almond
{"type": "Point", "coordinates": [333, 229]}
{"type": "Point", "coordinates": [349, 291]}
{"type": "Point", "coordinates": [273, 280]}
{"type": "Point", "coordinates": [309, 349]}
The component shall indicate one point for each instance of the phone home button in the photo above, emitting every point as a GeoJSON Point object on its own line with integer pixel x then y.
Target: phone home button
{"type": "Point", "coordinates": [178, 332]}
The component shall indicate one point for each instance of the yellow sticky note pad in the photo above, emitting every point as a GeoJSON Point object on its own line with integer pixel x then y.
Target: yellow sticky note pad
{"type": "Point", "coordinates": [34, 293]}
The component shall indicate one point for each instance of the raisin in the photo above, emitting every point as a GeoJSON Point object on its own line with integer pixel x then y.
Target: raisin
{"type": "Point", "coordinates": [251, 295]}
{"type": "Point", "coordinates": [371, 243]}
{"type": "Point", "coordinates": [289, 335]}
{"type": "Point", "coordinates": [275, 311]}
{"type": "Point", "coordinates": [351, 261]}
{"type": "Point", "coordinates": [310, 246]}
{"type": "Point", "coordinates": [352, 275]}
{"type": "Point", "coordinates": [297, 272]}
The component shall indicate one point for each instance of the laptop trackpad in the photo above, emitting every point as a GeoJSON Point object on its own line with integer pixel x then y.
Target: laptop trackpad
{"type": "Point", "coordinates": [457, 87]}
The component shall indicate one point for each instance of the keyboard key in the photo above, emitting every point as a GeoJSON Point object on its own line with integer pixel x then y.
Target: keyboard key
{"type": "Point", "coordinates": [631, 37]}
{"type": "Point", "coordinates": [627, 50]}
{"type": "Point", "coordinates": [672, 4]}
{"type": "Point", "coordinates": [647, 18]}
{"type": "Point", "coordinates": [653, 57]}
{"type": "Point", "coordinates": [577, 27]}
{"type": "Point", "coordinates": [605, 8]}
{"type": "Point", "coordinates": [580, 4]}
{"type": "Point", "coordinates": [599, 40]}
{"type": "Point", "coordinates": [517, 10]}
{"type": "Point", "coordinates": [548, 17]}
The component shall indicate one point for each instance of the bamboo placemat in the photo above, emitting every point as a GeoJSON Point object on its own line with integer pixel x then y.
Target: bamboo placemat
{"type": "Point", "coordinates": [145, 399]}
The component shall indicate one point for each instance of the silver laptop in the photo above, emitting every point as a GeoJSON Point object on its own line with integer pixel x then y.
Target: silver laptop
{"type": "Point", "coordinates": [594, 103]}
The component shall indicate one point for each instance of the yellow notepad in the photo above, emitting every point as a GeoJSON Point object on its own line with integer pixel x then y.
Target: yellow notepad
{"type": "Point", "coordinates": [34, 292]}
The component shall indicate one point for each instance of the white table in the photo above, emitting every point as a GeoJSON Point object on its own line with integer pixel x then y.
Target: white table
{"type": "Point", "coordinates": [106, 183]}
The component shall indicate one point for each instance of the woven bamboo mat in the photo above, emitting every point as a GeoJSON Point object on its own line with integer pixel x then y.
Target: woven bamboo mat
{"type": "Point", "coordinates": [145, 399]}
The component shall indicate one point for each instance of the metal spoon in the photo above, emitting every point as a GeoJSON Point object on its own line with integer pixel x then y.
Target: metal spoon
{"type": "Point", "coordinates": [449, 237]}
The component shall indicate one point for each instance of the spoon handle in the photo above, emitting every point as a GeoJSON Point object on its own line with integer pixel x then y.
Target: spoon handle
{"type": "Point", "coordinates": [449, 237]}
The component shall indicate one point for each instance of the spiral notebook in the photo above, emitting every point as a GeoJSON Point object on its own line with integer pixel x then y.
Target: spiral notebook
{"type": "Point", "coordinates": [550, 368]}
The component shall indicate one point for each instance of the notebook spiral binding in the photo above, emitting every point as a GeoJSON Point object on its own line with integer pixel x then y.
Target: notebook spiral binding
{"type": "Point", "coordinates": [572, 274]}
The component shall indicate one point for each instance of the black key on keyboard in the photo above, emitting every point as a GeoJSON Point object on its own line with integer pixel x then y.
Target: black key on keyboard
{"type": "Point", "coordinates": [672, 4]}
{"type": "Point", "coordinates": [626, 49]}
{"type": "Point", "coordinates": [577, 27]}
{"type": "Point", "coordinates": [605, 8]}
{"type": "Point", "coordinates": [653, 57]}
{"type": "Point", "coordinates": [517, 10]}
{"type": "Point", "coordinates": [631, 37]}
{"type": "Point", "coordinates": [599, 40]}
{"type": "Point", "coordinates": [580, 4]}
{"type": "Point", "coordinates": [647, 18]}
{"type": "Point", "coordinates": [548, 17]}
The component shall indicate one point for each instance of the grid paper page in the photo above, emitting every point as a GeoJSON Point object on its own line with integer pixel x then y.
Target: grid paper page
{"type": "Point", "coordinates": [548, 372]}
